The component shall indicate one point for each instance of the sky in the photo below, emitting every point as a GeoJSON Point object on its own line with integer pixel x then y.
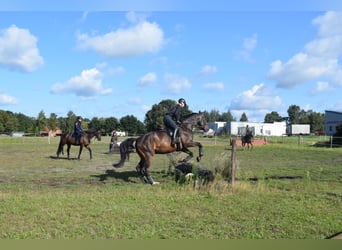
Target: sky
{"type": "Point", "coordinates": [98, 59]}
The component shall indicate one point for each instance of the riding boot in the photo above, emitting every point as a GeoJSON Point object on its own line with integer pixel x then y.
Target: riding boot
{"type": "Point", "coordinates": [77, 141]}
{"type": "Point", "coordinates": [175, 139]}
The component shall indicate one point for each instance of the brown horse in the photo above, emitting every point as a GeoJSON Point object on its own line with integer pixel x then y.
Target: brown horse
{"type": "Point", "coordinates": [159, 142]}
{"type": "Point", "coordinates": [69, 139]}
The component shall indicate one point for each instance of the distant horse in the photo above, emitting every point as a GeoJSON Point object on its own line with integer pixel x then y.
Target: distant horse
{"type": "Point", "coordinates": [247, 139]}
{"type": "Point", "coordinates": [69, 139]}
{"type": "Point", "coordinates": [160, 142]}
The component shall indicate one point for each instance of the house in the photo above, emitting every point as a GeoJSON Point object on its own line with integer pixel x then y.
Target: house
{"type": "Point", "coordinates": [333, 119]}
{"type": "Point", "coordinates": [257, 128]}
{"type": "Point", "coordinates": [51, 133]}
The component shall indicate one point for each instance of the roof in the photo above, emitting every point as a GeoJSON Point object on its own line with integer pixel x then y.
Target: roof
{"type": "Point", "coordinates": [335, 112]}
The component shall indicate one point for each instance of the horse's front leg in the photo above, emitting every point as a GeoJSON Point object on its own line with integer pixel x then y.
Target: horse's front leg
{"type": "Point", "coordinates": [140, 171]}
{"type": "Point", "coordinates": [200, 152]}
{"type": "Point", "coordinates": [68, 151]}
{"type": "Point", "coordinates": [189, 153]}
{"type": "Point", "coordinates": [79, 152]}
{"type": "Point", "coordinates": [90, 152]}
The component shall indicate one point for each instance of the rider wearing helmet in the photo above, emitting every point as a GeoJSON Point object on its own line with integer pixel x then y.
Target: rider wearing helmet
{"type": "Point", "coordinates": [78, 130]}
{"type": "Point", "coordinates": [172, 119]}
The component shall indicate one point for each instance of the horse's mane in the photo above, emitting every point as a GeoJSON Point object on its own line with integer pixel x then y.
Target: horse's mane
{"type": "Point", "coordinates": [189, 116]}
{"type": "Point", "coordinates": [89, 131]}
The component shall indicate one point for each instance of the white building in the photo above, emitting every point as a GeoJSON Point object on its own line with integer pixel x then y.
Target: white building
{"type": "Point", "coordinates": [332, 120]}
{"type": "Point", "coordinates": [218, 127]}
{"type": "Point", "coordinates": [257, 128]}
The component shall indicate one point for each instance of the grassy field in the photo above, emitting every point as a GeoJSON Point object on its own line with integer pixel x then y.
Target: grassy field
{"type": "Point", "coordinates": [284, 190]}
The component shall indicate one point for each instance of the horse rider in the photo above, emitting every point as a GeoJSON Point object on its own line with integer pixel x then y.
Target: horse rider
{"type": "Point", "coordinates": [247, 130]}
{"type": "Point", "coordinates": [171, 119]}
{"type": "Point", "coordinates": [78, 130]}
{"type": "Point", "coordinates": [113, 140]}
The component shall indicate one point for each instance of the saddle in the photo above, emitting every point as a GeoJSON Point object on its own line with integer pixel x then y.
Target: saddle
{"type": "Point", "coordinates": [77, 139]}
{"type": "Point", "coordinates": [170, 133]}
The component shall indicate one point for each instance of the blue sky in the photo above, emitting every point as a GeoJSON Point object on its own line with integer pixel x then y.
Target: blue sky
{"type": "Point", "coordinates": [112, 61]}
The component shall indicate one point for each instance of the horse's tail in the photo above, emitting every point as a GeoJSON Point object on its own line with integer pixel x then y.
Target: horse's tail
{"type": "Point", "coordinates": [60, 146]}
{"type": "Point", "coordinates": [126, 147]}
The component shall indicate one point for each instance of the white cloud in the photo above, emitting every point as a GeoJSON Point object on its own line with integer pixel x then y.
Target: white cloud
{"type": "Point", "coordinates": [214, 85]}
{"type": "Point", "coordinates": [7, 99]}
{"type": "Point", "coordinates": [148, 79]}
{"type": "Point", "coordinates": [18, 50]}
{"type": "Point", "coordinates": [208, 69]}
{"type": "Point", "coordinates": [321, 87]}
{"type": "Point", "coordinates": [176, 84]}
{"type": "Point", "coordinates": [256, 98]}
{"type": "Point", "coordinates": [144, 37]}
{"type": "Point", "coordinates": [250, 43]}
{"type": "Point", "coordinates": [248, 46]}
{"type": "Point", "coordinates": [319, 59]}
{"type": "Point", "coordinates": [87, 84]}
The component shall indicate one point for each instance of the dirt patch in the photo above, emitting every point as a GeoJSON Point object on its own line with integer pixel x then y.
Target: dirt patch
{"type": "Point", "coordinates": [255, 142]}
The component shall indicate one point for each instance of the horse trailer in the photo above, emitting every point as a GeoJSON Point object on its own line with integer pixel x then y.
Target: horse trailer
{"type": "Point", "coordinates": [298, 129]}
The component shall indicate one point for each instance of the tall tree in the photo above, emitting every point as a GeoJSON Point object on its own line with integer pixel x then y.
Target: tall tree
{"type": "Point", "coordinates": [70, 121]}
{"type": "Point", "coordinates": [294, 113]}
{"type": "Point", "coordinates": [41, 121]}
{"type": "Point", "coordinates": [227, 117]}
{"type": "Point", "coordinates": [154, 118]}
{"type": "Point", "coordinates": [96, 123]}
{"type": "Point", "coordinates": [132, 125]}
{"type": "Point", "coordinates": [317, 121]}
{"type": "Point", "coordinates": [272, 117]}
{"type": "Point", "coordinates": [243, 117]}
{"type": "Point", "coordinates": [214, 115]}
{"type": "Point", "coordinates": [26, 124]}
{"type": "Point", "coordinates": [110, 124]}
{"type": "Point", "coordinates": [52, 122]}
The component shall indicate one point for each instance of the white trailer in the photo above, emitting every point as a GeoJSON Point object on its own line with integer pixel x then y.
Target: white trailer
{"type": "Point", "coordinates": [298, 129]}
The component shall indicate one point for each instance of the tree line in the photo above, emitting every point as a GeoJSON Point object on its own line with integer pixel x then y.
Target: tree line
{"type": "Point", "coordinates": [11, 122]}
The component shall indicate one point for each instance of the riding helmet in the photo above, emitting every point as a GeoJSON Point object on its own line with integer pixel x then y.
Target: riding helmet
{"type": "Point", "coordinates": [182, 100]}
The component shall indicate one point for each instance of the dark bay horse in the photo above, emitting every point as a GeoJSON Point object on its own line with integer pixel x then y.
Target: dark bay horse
{"type": "Point", "coordinates": [159, 142]}
{"type": "Point", "coordinates": [69, 139]}
{"type": "Point", "coordinates": [247, 139]}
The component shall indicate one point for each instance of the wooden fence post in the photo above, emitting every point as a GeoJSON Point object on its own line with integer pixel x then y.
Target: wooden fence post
{"type": "Point", "coordinates": [233, 163]}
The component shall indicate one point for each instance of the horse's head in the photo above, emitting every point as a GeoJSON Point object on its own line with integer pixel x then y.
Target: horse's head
{"type": "Point", "coordinates": [98, 134]}
{"type": "Point", "coordinates": [202, 122]}
{"type": "Point", "coordinates": [196, 119]}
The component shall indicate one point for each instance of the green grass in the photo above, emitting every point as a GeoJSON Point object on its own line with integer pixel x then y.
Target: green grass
{"type": "Point", "coordinates": [283, 191]}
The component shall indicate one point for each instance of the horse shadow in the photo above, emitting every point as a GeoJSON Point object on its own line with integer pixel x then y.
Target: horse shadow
{"type": "Point", "coordinates": [63, 158]}
{"type": "Point", "coordinates": [125, 176]}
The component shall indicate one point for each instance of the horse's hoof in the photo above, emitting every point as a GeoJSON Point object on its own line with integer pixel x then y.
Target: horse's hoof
{"type": "Point", "coordinates": [155, 183]}
{"type": "Point", "coordinates": [198, 159]}
{"type": "Point", "coordinates": [117, 165]}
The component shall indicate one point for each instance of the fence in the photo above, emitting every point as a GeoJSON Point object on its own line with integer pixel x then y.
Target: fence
{"type": "Point", "coordinates": [330, 141]}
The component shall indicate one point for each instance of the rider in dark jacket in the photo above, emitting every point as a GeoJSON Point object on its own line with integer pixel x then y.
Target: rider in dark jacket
{"type": "Point", "coordinates": [78, 130]}
{"type": "Point", "coordinates": [172, 119]}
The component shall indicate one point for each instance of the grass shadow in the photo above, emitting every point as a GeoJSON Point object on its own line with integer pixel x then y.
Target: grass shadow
{"type": "Point", "coordinates": [125, 176]}
{"type": "Point", "coordinates": [287, 177]}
